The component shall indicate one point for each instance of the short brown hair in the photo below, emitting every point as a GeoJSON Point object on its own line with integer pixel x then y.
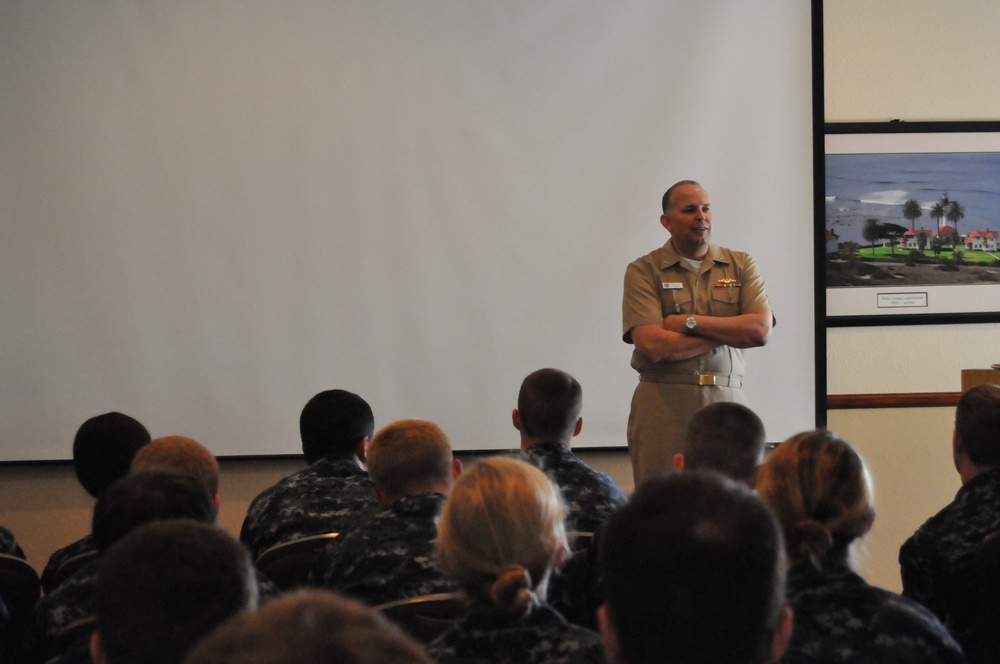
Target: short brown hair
{"type": "Point", "coordinates": [183, 454]}
{"type": "Point", "coordinates": [408, 453]}
{"type": "Point", "coordinates": [727, 437]}
{"type": "Point", "coordinates": [977, 420]}
{"type": "Point", "coordinates": [308, 627]}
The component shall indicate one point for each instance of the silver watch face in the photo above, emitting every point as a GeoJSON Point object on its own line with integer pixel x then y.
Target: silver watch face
{"type": "Point", "coordinates": [690, 323]}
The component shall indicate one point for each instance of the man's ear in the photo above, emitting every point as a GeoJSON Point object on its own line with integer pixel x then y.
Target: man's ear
{"type": "Point", "coordinates": [679, 461]}
{"type": "Point", "coordinates": [782, 634]}
{"type": "Point", "coordinates": [362, 450]}
{"type": "Point", "coordinates": [96, 649]}
{"type": "Point", "coordinates": [515, 417]}
{"type": "Point", "coordinates": [606, 625]}
{"type": "Point", "coordinates": [578, 427]}
{"type": "Point", "coordinates": [456, 469]}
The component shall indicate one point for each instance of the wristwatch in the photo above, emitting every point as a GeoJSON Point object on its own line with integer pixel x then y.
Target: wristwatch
{"type": "Point", "coordinates": [690, 323]}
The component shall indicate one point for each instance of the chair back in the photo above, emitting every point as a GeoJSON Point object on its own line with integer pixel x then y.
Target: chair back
{"type": "Point", "coordinates": [72, 644]}
{"type": "Point", "coordinates": [287, 564]}
{"type": "Point", "coordinates": [68, 568]}
{"type": "Point", "coordinates": [427, 616]}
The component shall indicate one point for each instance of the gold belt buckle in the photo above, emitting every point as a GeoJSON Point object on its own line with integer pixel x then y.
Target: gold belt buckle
{"type": "Point", "coordinates": [706, 379]}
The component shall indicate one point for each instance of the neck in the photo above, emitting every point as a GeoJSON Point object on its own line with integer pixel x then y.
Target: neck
{"type": "Point", "coordinates": [695, 253]}
{"type": "Point", "coordinates": [528, 442]}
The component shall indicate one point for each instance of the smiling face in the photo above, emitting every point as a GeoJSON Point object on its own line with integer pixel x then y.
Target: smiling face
{"type": "Point", "coordinates": [689, 220]}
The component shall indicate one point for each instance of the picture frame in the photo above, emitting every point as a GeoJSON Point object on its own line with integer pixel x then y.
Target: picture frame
{"type": "Point", "coordinates": [908, 223]}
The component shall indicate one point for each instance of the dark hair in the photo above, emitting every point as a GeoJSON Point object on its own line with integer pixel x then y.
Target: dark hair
{"type": "Point", "coordinates": [694, 571]}
{"type": "Point", "coordinates": [727, 437]}
{"type": "Point", "coordinates": [670, 192]}
{"type": "Point", "coordinates": [977, 420]}
{"type": "Point", "coordinates": [148, 495]}
{"type": "Point", "coordinates": [167, 584]}
{"type": "Point", "coordinates": [309, 627]}
{"type": "Point", "coordinates": [549, 404]}
{"type": "Point", "coordinates": [103, 449]}
{"type": "Point", "coordinates": [333, 423]}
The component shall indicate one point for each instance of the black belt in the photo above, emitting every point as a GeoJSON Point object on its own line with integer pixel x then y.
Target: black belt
{"type": "Point", "coordinates": [693, 379]}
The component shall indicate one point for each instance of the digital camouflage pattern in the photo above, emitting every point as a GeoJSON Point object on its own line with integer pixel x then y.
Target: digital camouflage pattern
{"type": "Point", "coordinates": [937, 562]}
{"type": "Point", "coordinates": [590, 496]}
{"type": "Point", "coordinates": [390, 557]}
{"type": "Point", "coordinates": [60, 556]}
{"type": "Point", "coordinates": [8, 544]}
{"type": "Point", "coordinates": [541, 637]}
{"type": "Point", "coordinates": [839, 618]}
{"type": "Point", "coordinates": [73, 600]}
{"type": "Point", "coordinates": [330, 496]}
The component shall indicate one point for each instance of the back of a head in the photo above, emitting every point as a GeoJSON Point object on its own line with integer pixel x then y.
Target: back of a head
{"type": "Point", "coordinates": [725, 437]}
{"type": "Point", "coordinates": [148, 495]}
{"type": "Point", "coordinates": [549, 404]}
{"type": "Point", "coordinates": [820, 490]}
{"type": "Point", "coordinates": [500, 531]}
{"type": "Point", "coordinates": [164, 586]}
{"type": "Point", "coordinates": [694, 571]}
{"type": "Point", "coordinates": [103, 449]}
{"type": "Point", "coordinates": [308, 627]}
{"type": "Point", "coordinates": [977, 420]}
{"type": "Point", "coordinates": [407, 455]}
{"type": "Point", "coordinates": [182, 454]}
{"type": "Point", "coordinates": [333, 422]}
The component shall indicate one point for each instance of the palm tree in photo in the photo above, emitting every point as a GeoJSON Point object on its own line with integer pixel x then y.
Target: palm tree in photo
{"type": "Point", "coordinates": [912, 211]}
{"type": "Point", "coordinates": [955, 212]}
{"type": "Point", "coordinates": [922, 240]}
{"type": "Point", "coordinates": [938, 212]}
{"type": "Point", "coordinates": [892, 232]}
{"type": "Point", "coordinates": [872, 231]}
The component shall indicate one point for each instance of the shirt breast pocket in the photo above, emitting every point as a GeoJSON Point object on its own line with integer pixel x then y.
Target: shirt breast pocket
{"type": "Point", "coordinates": [725, 301]}
{"type": "Point", "coordinates": [675, 301]}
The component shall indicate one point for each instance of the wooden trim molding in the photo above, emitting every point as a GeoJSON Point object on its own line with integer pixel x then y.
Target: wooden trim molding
{"type": "Point", "coordinates": [890, 400]}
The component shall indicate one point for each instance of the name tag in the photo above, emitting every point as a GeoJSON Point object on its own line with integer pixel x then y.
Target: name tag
{"type": "Point", "coordinates": [673, 285]}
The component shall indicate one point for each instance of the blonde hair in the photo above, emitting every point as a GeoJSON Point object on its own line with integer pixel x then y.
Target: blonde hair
{"type": "Point", "coordinates": [821, 492]}
{"type": "Point", "coordinates": [500, 533]}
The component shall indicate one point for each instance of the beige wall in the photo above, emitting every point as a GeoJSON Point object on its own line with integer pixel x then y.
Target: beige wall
{"type": "Point", "coordinates": [914, 60]}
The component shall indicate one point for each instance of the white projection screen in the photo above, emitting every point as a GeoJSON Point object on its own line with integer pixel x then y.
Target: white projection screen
{"type": "Point", "coordinates": [212, 210]}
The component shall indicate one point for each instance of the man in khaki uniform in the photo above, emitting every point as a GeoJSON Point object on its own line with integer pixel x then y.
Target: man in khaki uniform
{"type": "Point", "coordinates": [690, 308]}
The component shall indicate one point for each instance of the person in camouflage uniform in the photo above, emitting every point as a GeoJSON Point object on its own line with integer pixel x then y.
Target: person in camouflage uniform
{"type": "Point", "coordinates": [103, 448]}
{"type": "Point", "coordinates": [548, 418]}
{"type": "Point", "coordinates": [500, 534]}
{"type": "Point", "coordinates": [334, 493]}
{"type": "Point", "coordinates": [137, 498]}
{"type": "Point", "coordinates": [937, 563]}
{"type": "Point", "coordinates": [820, 490]}
{"type": "Point", "coordinates": [694, 572]}
{"type": "Point", "coordinates": [391, 556]}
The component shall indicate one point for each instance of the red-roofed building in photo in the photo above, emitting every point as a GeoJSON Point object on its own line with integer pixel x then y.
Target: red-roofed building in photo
{"type": "Point", "coordinates": [981, 241]}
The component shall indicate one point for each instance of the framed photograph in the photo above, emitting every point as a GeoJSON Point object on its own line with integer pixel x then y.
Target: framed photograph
{"type": "Point", "coordinates": [910, 230]}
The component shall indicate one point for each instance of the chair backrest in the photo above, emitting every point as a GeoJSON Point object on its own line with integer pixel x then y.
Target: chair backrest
{"type": "Point", "coordinates": [73, 643]}
{"type": "Point", "coordinates": [19, 585]}
{"type": "Point", "coordinates": [427, 616]}
{"type": "Point", "coordinates": [287, 564]}
{"type": "Point", "coordinates": [68, 568]}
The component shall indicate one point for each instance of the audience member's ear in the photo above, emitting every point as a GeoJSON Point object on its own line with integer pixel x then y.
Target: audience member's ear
{"type": "Point", "coordinates": [362, 450]}
{"type": "Point", "coordinates": [782, 634]}
{"type": "Point", "coordinates": [578, 427]}
{"type": "Point", "coordinates": [679, 461]}
{"type": "Point", "coordinates": [96, 651]}
{"type": "Point", "coordinates": [515, 417]}
{"type": "Point", "coordinates": [612, 649]}
{"type": "Point", "coordinates": [456, 469]}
